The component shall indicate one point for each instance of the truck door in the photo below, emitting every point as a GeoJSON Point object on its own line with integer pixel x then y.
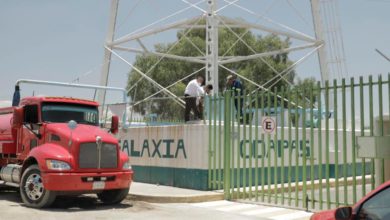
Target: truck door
{"type": "Point", "coordinates": [28, 140]}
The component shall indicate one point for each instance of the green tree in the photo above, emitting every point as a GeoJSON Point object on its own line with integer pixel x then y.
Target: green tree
{"type": "Point", "coordinates": [303, 90]}
{"type": "Point", "coordinates": [170, 70]}
{"type": "Point", "coordinates": [305, 93]}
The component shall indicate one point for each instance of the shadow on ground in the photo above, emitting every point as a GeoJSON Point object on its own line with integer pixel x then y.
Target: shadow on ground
{"type": "Point", "coordinates": [10, 194]}
{"type": "Point", "coordinates": [74, 203]}
{"type": "Point", "coordinates": [84, 203]}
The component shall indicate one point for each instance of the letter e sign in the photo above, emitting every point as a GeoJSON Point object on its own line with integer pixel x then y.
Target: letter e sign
{"type": "Point", "coordinates": [268, 124]}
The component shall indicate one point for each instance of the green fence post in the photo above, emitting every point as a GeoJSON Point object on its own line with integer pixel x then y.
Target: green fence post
{"type": "Point", "coordinates": [289, 147]}
{"type": "Point", "coordinates": [388, 90]}
{"type": "Point", "coordinates": [362, 133]}
{"type": "Point", "coordinates": [269, 152]}
{"type": "Point", "coordinates": [311, 94]}
{"type": "Point", "coordinates": [336, 141]}
{"type": "Point", "coordinates": [220, 99]}
{"type": "Point", "coordinates": [345, 174]}
{"type": "Point", "coordinates": [353, 134]}
{"type": "Point", "coordinates": [257, 145]}
{"type": "Point", "coordinates": [282, 180]}
{"type": "Point", "coordinates": [296, 150]}
{"type": "Point", "coordinates": [210, 143]}
{"type": "Point", "coordinates": [238, 173]}
{"type": "Point", "coordinates": [263, 152]}
{"type": "Point", "coordinates": [380, 97]}
{"type": "Point", "coordinates": [227, 148]}
{"type": "Point", "coordinates": [320, 143]}
{"type": "Point", "coordinates": [232, 169]}
{"type": "Point", "coordinates": [249, 119]}
{"type": "Point", "coordinates": [275, 98]}
{"type": "Point", "coordinates": [304, 159]}
{"type": "Point", "coordinates": [215, 99]}
{"type": "Point", "coordinates": [244, 173]}
{"type": "Point", "coordinates": [327, 176]}
{"type": "Point", "coordinates": [371, 118]}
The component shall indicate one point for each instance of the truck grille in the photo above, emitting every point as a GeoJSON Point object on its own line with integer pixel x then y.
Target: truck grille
{"type": "Point", "coordinates": [89, 156]}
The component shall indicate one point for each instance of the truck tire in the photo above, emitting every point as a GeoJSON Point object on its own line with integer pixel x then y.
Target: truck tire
{"type": "Point", "coordinates": [32, 191]}
{"type": "Point", "coordinates": [113, 196]}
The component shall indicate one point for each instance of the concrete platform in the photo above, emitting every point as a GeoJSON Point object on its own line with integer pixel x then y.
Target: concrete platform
{"type": "Point", "coordinates": [167, 194]}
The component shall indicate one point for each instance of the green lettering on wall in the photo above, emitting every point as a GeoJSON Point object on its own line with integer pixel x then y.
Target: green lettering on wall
{"type": "Point", "coordinates": [168, 148]}
{"type": "Point", "coordinates": [125, 146]}
{"type": "Point", "coordinates": [156, 146]}
{"type": "Point", "coordinates": [145, 146]}
{"type": "Point", "coordinates": [180, 145]}
{"type": "Point", "coordinates": [134, 153]}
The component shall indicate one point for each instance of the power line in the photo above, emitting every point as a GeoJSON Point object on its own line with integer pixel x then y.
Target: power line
{"type": "Point", "coordinates": [383, 55]}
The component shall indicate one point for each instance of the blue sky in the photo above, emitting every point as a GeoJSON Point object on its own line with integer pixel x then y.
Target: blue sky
{"type": "Point", "coordinates": [62, 40]}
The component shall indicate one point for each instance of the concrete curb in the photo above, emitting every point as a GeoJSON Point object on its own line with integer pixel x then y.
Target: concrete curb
{"type": "Point", "coordinates": [219, 195]}
{"type": "Point", "coordinates": [283, 187]}
{"type": "Point", "coordinates": [176, 199]}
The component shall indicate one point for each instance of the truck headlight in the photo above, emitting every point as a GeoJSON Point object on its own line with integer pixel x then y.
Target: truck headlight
{"type": "Point", "coordinates": [57, 165]}
{"type": "Point", "coordinates": [126, 166]}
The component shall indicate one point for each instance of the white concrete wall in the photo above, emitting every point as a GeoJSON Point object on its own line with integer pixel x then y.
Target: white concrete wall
{"type": "Point", "coordinates": [191, 139]}
{"type": "Point", "coordinates": [194, 141]}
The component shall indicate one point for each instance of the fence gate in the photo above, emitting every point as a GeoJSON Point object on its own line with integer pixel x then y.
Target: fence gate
{"type": "Point", "coordinates": [297, 147]}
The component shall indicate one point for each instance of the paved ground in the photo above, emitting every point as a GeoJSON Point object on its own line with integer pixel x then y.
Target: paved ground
{"type": "Point", "coordinates": [254, 210]}
{"type": "Point", "coordinates": [88, 207]}
{"type": "Point", "coordinates": [332, 197]}
{"type": "Point", "coordinates": [332, 194]}
{"type": "Point", "coordinates": [168, 194]}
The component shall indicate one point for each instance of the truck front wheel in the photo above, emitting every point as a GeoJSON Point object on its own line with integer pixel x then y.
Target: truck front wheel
{"type": "Point", "coordinates": [32, 190]}
{"type": "Point", "coordinates": [113, 196]}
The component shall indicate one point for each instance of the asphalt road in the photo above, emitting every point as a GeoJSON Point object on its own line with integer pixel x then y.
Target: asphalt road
{"type": "Point", "coordinates": [88, 207]}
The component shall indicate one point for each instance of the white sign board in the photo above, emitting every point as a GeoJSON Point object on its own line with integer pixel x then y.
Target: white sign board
{"type": "Point", "coordinates": [268, 125]}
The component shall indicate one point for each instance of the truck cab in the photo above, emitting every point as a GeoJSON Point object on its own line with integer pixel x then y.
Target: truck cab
{"type": "Point", "coordinates": [53, 146]}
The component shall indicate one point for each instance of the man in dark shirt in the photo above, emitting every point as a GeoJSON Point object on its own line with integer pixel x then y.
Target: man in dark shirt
{"type": "Point", "coordinates": [235, 85]}
{"type": "Point", "coordinates": [200, 101]}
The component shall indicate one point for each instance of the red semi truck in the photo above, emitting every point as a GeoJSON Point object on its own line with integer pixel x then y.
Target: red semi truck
{"type": "Point", "coordinates": [52, 146]}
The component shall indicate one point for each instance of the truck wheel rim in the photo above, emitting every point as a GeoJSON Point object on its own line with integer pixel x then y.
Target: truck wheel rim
{"type": "Point", "coordinates": [34, 187]}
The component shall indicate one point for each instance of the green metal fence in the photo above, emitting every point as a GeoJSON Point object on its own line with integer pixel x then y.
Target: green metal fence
{"type": "Point", "coordinates": [309, 160]}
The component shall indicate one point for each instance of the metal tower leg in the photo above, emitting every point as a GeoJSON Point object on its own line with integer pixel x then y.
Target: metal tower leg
{"type": "Point", "coordinates": [318, 28]}
{"type": "Point", "coordinates": [212, 45]}
{"type": "Point", "coordinates": [107, 54]}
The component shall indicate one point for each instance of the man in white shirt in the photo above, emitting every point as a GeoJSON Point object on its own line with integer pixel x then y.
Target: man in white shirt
{"type": "Point", "coordinates": [192, 91]}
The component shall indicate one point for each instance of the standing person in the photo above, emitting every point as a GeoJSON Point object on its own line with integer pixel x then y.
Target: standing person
{"type": "Point", "coordinates": [200, 101]}
{"type": "Point", "coordinates": [192, 91]}
{"type": "Point", "coordinates": [234, 85]}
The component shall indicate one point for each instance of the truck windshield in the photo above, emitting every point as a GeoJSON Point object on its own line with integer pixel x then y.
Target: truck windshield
{"type": "Point", "coordinates": [62, 113]}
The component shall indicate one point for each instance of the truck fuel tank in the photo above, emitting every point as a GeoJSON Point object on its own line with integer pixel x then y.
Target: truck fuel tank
{"type": "Point", "coordinates": [11, 173]}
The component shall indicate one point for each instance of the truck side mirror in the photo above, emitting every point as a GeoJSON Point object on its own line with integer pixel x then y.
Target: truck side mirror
{"type": "Point", "coordinates": [114, 124]}
{"type": "Point", "coordinates": [18, 118]}
{"type": "Point", "coordinates": [343, 213]}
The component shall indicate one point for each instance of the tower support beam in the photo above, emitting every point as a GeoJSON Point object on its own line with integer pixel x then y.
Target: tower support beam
{"type": "Point", "coordinates": [319, 32]}
{"type": "Point", "coordinates": [212, 45]}
{"type": "Point", "coordinates": [107, 54]}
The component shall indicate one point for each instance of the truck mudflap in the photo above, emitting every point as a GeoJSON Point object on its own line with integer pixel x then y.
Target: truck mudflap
{"type": "Point", "coordinates": [87, 181]}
